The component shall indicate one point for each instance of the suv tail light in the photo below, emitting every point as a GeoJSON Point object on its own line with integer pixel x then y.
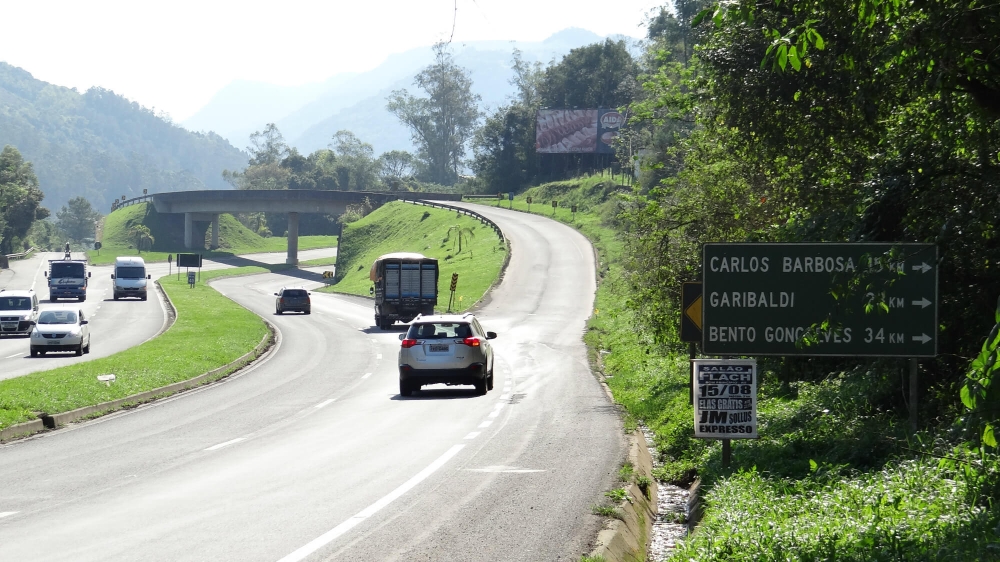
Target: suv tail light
{"type": "Point", "coordinates": [471, 341]}
{"type": "Point", "coordinates": [407, 343]}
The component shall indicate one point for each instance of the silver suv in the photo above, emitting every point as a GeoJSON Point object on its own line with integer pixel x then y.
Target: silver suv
{"type": "Point", "coordinates": [18, 312]}
{"type": "Point", "coordinates": [445, 348]}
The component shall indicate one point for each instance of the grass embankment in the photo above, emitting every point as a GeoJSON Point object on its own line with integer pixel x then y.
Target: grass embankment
{"type": "Point", "coordinates": [196, 343]}
{"type": "Point", "coordinates": [405, 227]}
{"type": "Point", "coordinates": [833, 476]}
{"type": "Point", "coordinates": [168, 237]}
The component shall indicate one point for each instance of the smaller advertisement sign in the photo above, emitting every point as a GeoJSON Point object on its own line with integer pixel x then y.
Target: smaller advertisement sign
{"type": "Point", "coordinates": [608, 124]}
{"type": "Point", "coordinates": [725, 398]}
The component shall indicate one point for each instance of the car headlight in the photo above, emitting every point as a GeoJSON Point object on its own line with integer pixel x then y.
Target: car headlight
{"type": "Point", "coordinates": [36, 334]}
{"type": "Point", "coordinates": [75, 332]}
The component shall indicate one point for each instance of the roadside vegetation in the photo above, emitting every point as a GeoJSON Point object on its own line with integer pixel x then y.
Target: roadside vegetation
{"type": "Point", "coordinates": [461, 244]}
{"type": "Point", "coordinates": [195, 344]}
{"type": "Point", "coordinates": [836, 474]}
{"type": "Point", "coordinates": [139, 230]}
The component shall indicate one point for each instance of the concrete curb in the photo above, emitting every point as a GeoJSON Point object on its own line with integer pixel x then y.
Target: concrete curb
{"type": "Point", "coordinates": [627, 539]}
{"type": "Point", "coordinates": [53, 421]}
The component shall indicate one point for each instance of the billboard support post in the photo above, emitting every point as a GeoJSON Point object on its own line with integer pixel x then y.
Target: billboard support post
{"type": "Point", "coordinates": [913, 393]}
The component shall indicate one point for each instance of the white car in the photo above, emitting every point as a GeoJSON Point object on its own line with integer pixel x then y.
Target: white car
{"type": "Point", "coordinates": [18, 312]}
{"type": "Point", "coordinates": [60, 330]}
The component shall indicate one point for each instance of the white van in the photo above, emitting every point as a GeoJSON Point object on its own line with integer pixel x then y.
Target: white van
{"type": "Point", "coordinates": [130, 278]}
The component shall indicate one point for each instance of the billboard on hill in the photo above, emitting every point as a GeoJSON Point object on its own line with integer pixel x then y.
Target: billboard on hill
{"type": "Point", "coordinates": [567, 131]}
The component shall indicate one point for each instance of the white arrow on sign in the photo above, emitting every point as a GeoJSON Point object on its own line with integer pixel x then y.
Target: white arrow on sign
{"type": "Point", "coordinates": [922, 338]}
{"type": "Point", "coordinates": [922, 268]}
{"type": "Point", "coordinates": [922, 303]}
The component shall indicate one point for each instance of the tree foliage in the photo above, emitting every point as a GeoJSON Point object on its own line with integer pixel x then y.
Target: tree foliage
{"type": "Point", "coordinates": [100, 145]}
{"type": "Point", "coordinates": [442, 122]}
{"type": "Point", "coordinates": [20, 199]}
{"type": "Point", "coordinates": [823, 122]}
{"type": "Point", "coordinates": [78, 218]}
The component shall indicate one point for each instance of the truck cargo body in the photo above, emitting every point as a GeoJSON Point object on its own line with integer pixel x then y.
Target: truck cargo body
{"type": "Point", "coordinates": [405, 286]}
{"type": "Point", "coordinates": [68, 279]}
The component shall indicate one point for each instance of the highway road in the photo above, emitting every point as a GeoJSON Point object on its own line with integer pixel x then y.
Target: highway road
{"type": "Point", "coordinates": [311, 454]}
{"type": "Point", "coordinates": [115, 325]}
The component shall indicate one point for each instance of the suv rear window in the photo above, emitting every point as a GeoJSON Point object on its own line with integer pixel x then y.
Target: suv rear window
{"type": "Point", "coordinates": [439, 330]}
{"type": "Point", "coordinates": [293, 293]}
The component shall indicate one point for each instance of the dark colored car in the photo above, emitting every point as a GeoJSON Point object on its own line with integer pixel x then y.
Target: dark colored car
{"type": "Point", "coordinates": [292, 299]}
{"type": "Point", "coordinates": [445, 348]}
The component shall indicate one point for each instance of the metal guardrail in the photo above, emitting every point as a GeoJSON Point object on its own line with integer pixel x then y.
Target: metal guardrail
{"type": "Point", "coordinates": [22, 255]}
{"type": "Point", "coordinates": [119, 203]}
{"type": "Point", "coordinates": [463, 211]}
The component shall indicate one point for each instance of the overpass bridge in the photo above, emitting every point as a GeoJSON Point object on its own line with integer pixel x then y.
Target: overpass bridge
{"type": "Point", "coordinates": [207, 205]}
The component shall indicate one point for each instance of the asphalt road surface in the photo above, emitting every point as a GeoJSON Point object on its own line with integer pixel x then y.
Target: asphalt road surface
{"type": "Point", "coordinates": [311, 454]}
{"type": "Point", "coordinates": [114, 325]}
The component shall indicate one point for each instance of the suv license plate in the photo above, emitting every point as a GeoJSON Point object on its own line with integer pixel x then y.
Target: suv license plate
{"type": "Point", "coordinates": [439, 347]}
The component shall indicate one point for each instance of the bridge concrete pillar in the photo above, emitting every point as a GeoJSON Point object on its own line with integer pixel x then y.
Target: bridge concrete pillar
{"type": "Point", "coordinates": [293, 239]}
{"type": "Point", "coordinates": [188, 230]}
{"type": "Point", "coordinates": [215, 231]}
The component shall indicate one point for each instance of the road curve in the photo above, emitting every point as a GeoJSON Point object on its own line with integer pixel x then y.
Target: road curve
{"type": "Point", "coordinates": [312, 454]}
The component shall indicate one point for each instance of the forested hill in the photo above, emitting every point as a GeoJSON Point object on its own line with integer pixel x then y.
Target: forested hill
{"type": "Point", "coordinates": [102, 146]}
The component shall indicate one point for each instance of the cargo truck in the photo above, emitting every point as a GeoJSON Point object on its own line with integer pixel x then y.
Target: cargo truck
{"type": "Point", "coordinates": [67, 279]}
{"type": "Point", "coordinates": [405, 285]}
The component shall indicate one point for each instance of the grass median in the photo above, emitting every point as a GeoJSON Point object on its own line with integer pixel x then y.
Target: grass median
{"type": "Point", "coordinates": [196, 343]}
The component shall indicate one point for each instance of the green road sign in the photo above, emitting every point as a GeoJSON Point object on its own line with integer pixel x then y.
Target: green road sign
{"type": "Point", "coordinates": [863, 299]}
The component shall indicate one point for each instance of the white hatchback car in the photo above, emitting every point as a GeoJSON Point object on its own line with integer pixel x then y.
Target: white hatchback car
{"type": "Point", "coordinates": [60, 330]}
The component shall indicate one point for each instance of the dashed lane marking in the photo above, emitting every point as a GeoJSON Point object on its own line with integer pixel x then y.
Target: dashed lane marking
{"type": "Point", "coordinates": [366, 375]}
{"type": "Point", "coordinates": [472, 435]}
{"type": "Point", "coordinates": [325, 403]}
{"type": "Point", "coordinates": [226, 444]}
{"type": "Point", "coordinates": [331, 535]}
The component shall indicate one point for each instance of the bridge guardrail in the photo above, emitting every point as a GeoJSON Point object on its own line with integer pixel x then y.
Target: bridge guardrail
{"type": "Point", "coordinates": [119, 203]}
{"type": "Point", "coordinates": [473, 214]}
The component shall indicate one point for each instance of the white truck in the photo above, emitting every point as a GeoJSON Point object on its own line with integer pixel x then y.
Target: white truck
{"type": "Point", "coordinates": [130, 278]}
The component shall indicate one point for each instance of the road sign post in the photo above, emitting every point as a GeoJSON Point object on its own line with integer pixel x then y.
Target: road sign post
{"type": "Point", "coordinates": [454, 285]}
{"type": "Point", "coordinates": [830, 299]}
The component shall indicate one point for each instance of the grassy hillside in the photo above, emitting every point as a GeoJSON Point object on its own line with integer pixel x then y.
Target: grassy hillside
{"type": "Point", "coordinates": [168, 235]}
{"type": "Point", "coordinates": [100, 145]}
{"type": "Point", "coordinates": [404, 227]}
{"type": "Point", "coordinates": [835, 475]}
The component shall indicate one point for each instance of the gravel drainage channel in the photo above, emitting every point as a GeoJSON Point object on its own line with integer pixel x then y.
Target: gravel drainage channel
{"type": "Point", "coordinates": [673, 515]}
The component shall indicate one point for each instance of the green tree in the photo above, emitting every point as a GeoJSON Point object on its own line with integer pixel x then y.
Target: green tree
{"type": "Point", "coordinates": [20, 199]}
{"type": "Point", "coordinates": [598, 75]}
{"type": "Point", "coordinates": [141, 235]}
{"type": "Point", "coordinates": [444, 121]}
{"type": "Point", "coordinates": [78, 218]}
{"type": "Point", "coordinates": [504, 147]}
{"type": "Point", "coordinates": [264, 171]}
{"type": "Point", "coordinates": [357, 160]}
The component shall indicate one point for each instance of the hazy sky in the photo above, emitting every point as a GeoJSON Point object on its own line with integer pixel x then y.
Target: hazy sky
{"type": "Point", "coordinates": [174, 55]}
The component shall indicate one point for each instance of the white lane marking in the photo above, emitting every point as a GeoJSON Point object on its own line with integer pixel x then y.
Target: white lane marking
{"type": "Point", "coordinates": [339, 318]}
{"type": "Point", "coordinates": [15, 355]}
{"type": "Point", "coordinates": [325, 403]}
{"type": "Point", "coordinates": [504, 396]}
{"type": "Point", "coordinates": [329, 536]}
{"type": "Point", "coordinates": [7, 513]}
{"type": "Point", "coordinates": [378, 356]}
{"type": "Point", "coordinates": [366, 375]}
{"type": "Point", "coordinates": [507, 469]}
{"type": "Point", "coordinates": [472, 435]}
{"type": "Point", "coordinates": [486, 423]}
{"type": "Point", "coordinates": [230, 442]}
